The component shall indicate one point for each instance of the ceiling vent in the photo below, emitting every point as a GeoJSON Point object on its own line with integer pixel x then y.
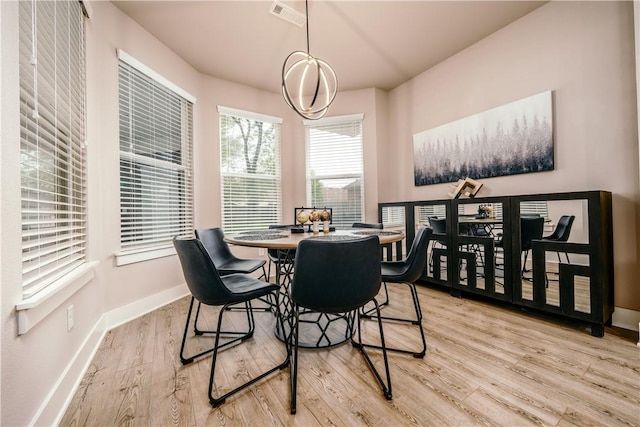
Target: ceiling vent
{"type": "Point", "coordinates": [287, 13]}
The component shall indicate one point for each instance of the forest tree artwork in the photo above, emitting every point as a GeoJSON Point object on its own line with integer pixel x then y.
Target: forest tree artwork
{"type": "Point", "coordinates": [511, 139]}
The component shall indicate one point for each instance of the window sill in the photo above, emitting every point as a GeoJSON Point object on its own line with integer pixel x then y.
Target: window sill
{"type": "Point", "coordinates": [130, 257]}
{"type": "Point", "coordinates": [34, 309]}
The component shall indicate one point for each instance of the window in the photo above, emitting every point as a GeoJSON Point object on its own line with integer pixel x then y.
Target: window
{"type": "Point", "coordinates": [156, 183]}
{"type": "Point", "coordinates": [425, 211]}
{"type": "Point", "coordinates": [52, 141]}
{"type": "Point", "coordinates": [334, 167]}
{"type": "Point", "coordinates": [535, 207]}
{"type": "Point", "coordinates": [250, 170]}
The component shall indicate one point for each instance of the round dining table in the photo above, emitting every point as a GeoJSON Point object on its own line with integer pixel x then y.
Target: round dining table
{"type": "Point", "coordinates": [316, 330]}
{"type": "Point", "coordinates": [286, 239]}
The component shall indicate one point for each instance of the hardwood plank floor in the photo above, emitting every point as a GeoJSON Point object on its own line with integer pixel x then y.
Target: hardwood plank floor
{"type": "Point", "coordinates": [485, 365]}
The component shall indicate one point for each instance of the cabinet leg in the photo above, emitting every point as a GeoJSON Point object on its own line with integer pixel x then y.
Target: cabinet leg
{"type": "Point", "coordinates": [597, 330]}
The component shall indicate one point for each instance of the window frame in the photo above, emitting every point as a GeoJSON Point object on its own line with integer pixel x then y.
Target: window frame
{"type": "Point", "coordinates": [52, 86]}
{"type": "Point", "coordinates": [35, 307]}
{"type": "Point", "coordinates": [147, 249]}
{"type": "Point", "coordinates": [223, 113]}
{"type": "Point", "coordinates": [327, 121]}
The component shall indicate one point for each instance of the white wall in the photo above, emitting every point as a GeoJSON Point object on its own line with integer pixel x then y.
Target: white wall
{"type": "Point", "coordinates": [584, 53]}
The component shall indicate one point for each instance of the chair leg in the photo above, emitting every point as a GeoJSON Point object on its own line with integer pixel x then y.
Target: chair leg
{"type": "Point", "coordinates": [239, 335]}
{"type": "Point", "coordinates": [417, 322]}
{"type": "Point", "coordinates": [183, 359]}
{"type": "Point", "coordinates": [197, 331]}
{"type": "Point", "coordinates": [524, 264]}
{"type": "Point", "coordinates": [367, 313]}
{"type": "Point", "coordinates": [293, 370]}
{"type": "Point", "coordinates": [385, 386]}
{"type": "Point", "coordinates": [217, 401]}
{"type": "Point", "coordinates": [418, 309]}
{"type": "Point", "coordinates": [294, 345]}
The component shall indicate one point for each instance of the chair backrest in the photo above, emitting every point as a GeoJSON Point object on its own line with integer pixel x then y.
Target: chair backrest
{"type": "Point", "coordinates": [439, 225]}
{"type": "Point", "coordinates": [563, 229]}
{"type": "Point", "coordinates": [377, 225]}
{"type": "Point", "coordinates": [531, 228]}
{"type": "Point", "coordinates": [416, 260]}
{"type": "Point", "coordinates": [201, 274]}
{"type": "Point", "coordinates": [336, 276]}
{"type": "Point", "coordinates": [213, 241]}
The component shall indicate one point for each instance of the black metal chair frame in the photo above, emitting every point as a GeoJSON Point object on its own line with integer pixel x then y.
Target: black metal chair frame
{"type": "Point", "coordinates": [225, 298]}
{"type": "Point", "coordinates": [408, 272]}
{"type": "Point", "coordinates": [335, 262]}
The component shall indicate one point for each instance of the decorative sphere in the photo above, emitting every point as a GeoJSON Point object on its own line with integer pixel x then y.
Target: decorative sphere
{"type": "Point", "coordinates": [302, 216]}
{"type": "Point", "coordinates": [325, 215]}
{"type": "Point", "coordinates": [314, 216]}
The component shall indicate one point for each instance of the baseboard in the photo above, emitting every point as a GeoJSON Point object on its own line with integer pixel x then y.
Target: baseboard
{"type": "Point", "coordinates": [55, 405]}
{"type": "Point", "coordinates": [50, 411]}
{"type": "Point", "coordinates": [626, 319]}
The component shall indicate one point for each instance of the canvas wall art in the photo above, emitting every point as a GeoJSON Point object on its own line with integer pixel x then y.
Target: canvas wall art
{"type": "Point", "coordinates": [511, 139]}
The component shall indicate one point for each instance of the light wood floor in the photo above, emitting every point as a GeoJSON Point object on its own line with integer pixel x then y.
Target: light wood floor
{"type": "Point", "coordinates": [485, 365]}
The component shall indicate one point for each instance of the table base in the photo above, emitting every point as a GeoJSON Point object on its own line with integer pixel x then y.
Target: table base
{"type": "Point", "coordinates": [319, 330]}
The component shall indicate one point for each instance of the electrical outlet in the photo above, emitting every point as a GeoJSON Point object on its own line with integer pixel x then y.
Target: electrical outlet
{"type": "Point", "coordinates": [69, 317]}
{"type": "Point", "coordinates": [261, 252]}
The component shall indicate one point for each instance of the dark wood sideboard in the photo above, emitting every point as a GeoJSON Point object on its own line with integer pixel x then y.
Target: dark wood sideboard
{"type": "Point", "coordinates": [483, 257]}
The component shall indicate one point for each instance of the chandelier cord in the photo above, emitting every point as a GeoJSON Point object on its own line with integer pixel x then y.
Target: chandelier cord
{"type": "Point", "coordinates": [302, 73]}
{"type": "Point", "coordinates": [306, 6]}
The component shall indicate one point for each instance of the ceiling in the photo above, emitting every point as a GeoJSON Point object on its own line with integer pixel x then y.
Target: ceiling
{"type": "Point", "coordinates": [369, 44]}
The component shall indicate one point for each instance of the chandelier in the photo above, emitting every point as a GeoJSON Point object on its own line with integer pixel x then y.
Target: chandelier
{"type": "Point", "coordinates": [309, 84]}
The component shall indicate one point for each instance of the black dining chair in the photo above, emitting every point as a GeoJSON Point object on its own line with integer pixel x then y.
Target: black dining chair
{"type": "Point", "coordinates": [208, 287]}
{"type": "Point", "coordinates": [531, 228]}
{"type": "Point", "coordinates": [439, 226]}
{"type": "Point", "coordinates": [561, 233]}
{"type": "Point", "coordinates": [227, 263]}
{"type": "Point", "coordinates": [389, 248]}
{"type": "Point", "coordinates": [376, 225]}
{"type": "Point", "coordinates": [337, 277]}
{"type": "Point", "coordinates": [407, 272]}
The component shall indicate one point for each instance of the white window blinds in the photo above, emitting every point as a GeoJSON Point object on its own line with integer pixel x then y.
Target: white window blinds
{"type": "Point", "coordinates": [535, 207]}
{"type": "Point", "coordinates": [393, 216]}
{"type": "Point", "coordinates": [156, 138]}
{"type": "Point", "coordinates": [250, 170]}
{"type": "Point", "coordinates": [423, 212]}
{"type": "Point", "coordinates": [334, 167]}
{"type": "Point", "coordinates": [52, 136]}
